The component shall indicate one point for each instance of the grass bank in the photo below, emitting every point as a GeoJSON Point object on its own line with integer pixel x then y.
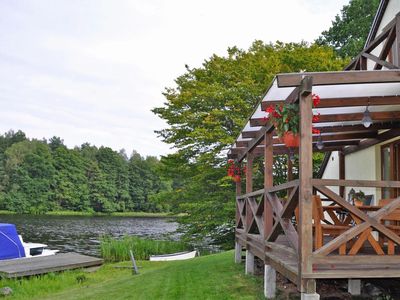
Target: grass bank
{"type": "Point", "coordinates": [91, 214]}
{"type": "Point", "coordinates": [208, 277]}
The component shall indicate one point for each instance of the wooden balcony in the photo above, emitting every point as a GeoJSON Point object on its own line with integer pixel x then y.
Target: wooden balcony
{"type": "Point", "coordinates": [370, 249]}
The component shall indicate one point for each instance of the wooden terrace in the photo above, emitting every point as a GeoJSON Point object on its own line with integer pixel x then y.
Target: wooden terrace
{"type": "Point", "coordinates": [305, 228]}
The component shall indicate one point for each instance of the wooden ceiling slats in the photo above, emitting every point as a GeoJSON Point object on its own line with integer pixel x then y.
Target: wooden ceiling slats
{"type": "Point", "coordinates": [347, 102]}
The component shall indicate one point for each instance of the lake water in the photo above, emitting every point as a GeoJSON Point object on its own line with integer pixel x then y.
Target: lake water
{"type": "Point", "coordinates": [82, 234]}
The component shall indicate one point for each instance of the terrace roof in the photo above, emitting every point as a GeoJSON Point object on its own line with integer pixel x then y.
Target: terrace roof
{"type": "Point", "coordinates": [344, 97]}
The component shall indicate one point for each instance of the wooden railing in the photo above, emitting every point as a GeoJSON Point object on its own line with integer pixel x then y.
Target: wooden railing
{"type": "Point", "coordinates": [364, 223]}
{"type": "Point", "coordinates": [365, 248]}
{"type": "Point", "coordinates": [252, 217]}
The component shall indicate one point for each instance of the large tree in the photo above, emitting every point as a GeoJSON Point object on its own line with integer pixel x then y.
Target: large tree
{"type": "Point", "coordinates": [349, 30]}
{"type": "Point", "coordinates": [206, 111]}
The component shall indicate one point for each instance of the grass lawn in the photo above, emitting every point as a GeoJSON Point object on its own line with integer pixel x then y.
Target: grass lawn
{"type": "Point", "coordinates": [208, 277]}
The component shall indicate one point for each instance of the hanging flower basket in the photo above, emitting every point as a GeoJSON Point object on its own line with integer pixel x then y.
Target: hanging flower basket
{"type": "Point", "coordinates": [291, 139]}
{"type": "Point", "coordinates": [286, 120]}
{"type": "Point", "coordinates": [236, 178]}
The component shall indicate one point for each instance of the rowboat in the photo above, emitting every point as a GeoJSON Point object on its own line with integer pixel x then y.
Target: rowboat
{"type": "Point", "coordinates": [174, 256]}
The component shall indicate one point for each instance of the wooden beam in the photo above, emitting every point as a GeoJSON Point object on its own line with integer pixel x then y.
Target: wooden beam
{"type": "Point", "coordinates": [346, 101]}
{"type": "Point", "coordinates": [358, 128]}
{"type": "Point", "coordinates": [305, 186]}
{"type": "Point", "coordinates": [386, 47]}
{"type": "Point", "coordinates": [383, 116]}
{"type": "Point", "coordinates": [397, 42]}
{"type": "Point", "coordinates": [373, 44]}
{"type": "Point", "coordinates": [325, 138]}
{"type": "Point", "coordinates": [387, 135]}
{"type": "Point", "coordinates": [249, 134]}
{"type": "Point", "coordinates": [357, 183]}
{"type": "Point", "coordinates": [342, 77]}
{"type": "Point", "coordinates": [376, 59]}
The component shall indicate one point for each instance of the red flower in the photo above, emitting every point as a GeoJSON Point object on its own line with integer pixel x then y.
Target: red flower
{"type": "Point", "coordinates": [316, 117]}
{"type": "Point", "coordinates": [276, 115]}
{"type": "Point", "coordinates": [316, 131]}
{"type": "Point", "coordinates": [270, 109]}
{"type": "Point", "coordinates": [316, 100]}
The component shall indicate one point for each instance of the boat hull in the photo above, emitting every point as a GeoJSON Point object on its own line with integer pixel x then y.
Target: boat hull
{"type": "Point", "coordinates": [174, 256]}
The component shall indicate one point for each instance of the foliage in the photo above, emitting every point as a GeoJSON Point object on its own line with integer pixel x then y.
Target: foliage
{"type": "Point", "coordinates": [205, 112]}
{"type": "Point", "coordinates": [207, 277]}
{"type": "Point", "coordinates": [349, 30]}
{"type": "Point", "coordinates": [41, 176]}
{"type": "Point", "coordinates": [209, 106]}
{"type": "Point", "coordinates": [287, 117]}
{"type": "Point", "coordinates": [118, 250]}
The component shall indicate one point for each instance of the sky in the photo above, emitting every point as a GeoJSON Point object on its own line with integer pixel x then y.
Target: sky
{"type": "Point", "coordinates": [92, 70]}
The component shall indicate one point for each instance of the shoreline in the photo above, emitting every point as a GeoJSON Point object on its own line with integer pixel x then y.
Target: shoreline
{"type": "Point", "coordinates": [96, 214]}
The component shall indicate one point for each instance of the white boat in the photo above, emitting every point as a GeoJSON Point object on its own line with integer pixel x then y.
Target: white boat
{"type": "Point", "coordinates": [36, 249]}
{"type": "Point", "coordinates": [174, 256]}
{"type": "Point", "coordinates": [12, 246]}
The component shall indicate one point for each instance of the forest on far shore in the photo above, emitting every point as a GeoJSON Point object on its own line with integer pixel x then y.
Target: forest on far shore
{"type": "Point", "coordinates": [37, 176]}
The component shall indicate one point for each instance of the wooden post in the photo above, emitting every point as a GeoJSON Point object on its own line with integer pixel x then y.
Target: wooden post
{"type": "Point", "coordinates": [134, 267]}
{"type": "Point", "coordinates": [238, 247]}
{"type": "Point", "coordinates": [289, 172]}
{"type": "Point", "coordinates": [289, 168]}
{"type": "Point", "coordinates": [397, 41]}
{"type": "Point", "coordinates": [249, 268]}
{"type": "Point", "coordinates": [342, 172]}
{"type": "Point", "coordinates": [305, 186]}
{"type": "Point", "coordinates": [268, 182]}
{"type": "Point", "coordinates": [249, 173]}
{"type": "Point", "coordinates": [249, 189]}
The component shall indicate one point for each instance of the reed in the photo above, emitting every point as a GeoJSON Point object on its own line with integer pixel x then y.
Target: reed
{"type": "Point", "coordinates": [113, 250]}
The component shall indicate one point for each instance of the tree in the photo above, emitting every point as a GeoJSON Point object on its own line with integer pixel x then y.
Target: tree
{"type": "Point", "coordinates": [30, 170]}
{"type": "Point", "coordinates": [206, 111]}
{"type": "Point", "coordinates": [349, 30]}
{"type": "Point", "coordinates": [70, 190]}
{"type": "Point", "coordinates": [210, 104]}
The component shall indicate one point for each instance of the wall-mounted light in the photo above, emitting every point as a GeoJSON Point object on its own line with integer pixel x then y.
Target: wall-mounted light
{"type": "Point", "coordinates": [366, 120]}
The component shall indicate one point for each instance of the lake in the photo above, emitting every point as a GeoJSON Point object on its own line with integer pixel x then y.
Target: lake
{"type": "Point", "coordinates": [82, 234]}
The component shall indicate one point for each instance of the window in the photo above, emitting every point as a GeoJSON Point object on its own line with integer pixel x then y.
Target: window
{"type": "Point", "coordinates": [390, 159]}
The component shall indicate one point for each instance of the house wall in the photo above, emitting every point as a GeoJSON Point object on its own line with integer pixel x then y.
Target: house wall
{"type": "Point", "coordinates": [363, 165]}
{"type": "Point", "coordinates": [332, 170]}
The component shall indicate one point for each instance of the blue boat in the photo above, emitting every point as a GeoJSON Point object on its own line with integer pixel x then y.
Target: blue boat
{"type": "Point", "coordinates": [12, 245]}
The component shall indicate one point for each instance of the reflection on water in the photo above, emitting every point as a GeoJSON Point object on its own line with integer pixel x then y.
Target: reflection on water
{"type": "Point", "coordinates": [82, 234]}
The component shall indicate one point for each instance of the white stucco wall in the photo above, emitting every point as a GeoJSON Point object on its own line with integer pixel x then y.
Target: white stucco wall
{"type": "Point", "coordinates": [363, 165]}
{"type": "Point", "coordinates": [332, 170]}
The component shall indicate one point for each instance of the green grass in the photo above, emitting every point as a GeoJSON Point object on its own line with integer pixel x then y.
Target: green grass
{"type": "Point", "coordinates": [208, 277]}
{"type": "Point", "coordinates": [113, 250]}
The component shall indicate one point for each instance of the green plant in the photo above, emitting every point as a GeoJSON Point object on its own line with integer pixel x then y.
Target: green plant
{"type": "Point", "coordinates": [118, 250]}
{"type": "Point", "coordinates": [360, 195]}
{"type": "Point", "coordinates": [286, 117]}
